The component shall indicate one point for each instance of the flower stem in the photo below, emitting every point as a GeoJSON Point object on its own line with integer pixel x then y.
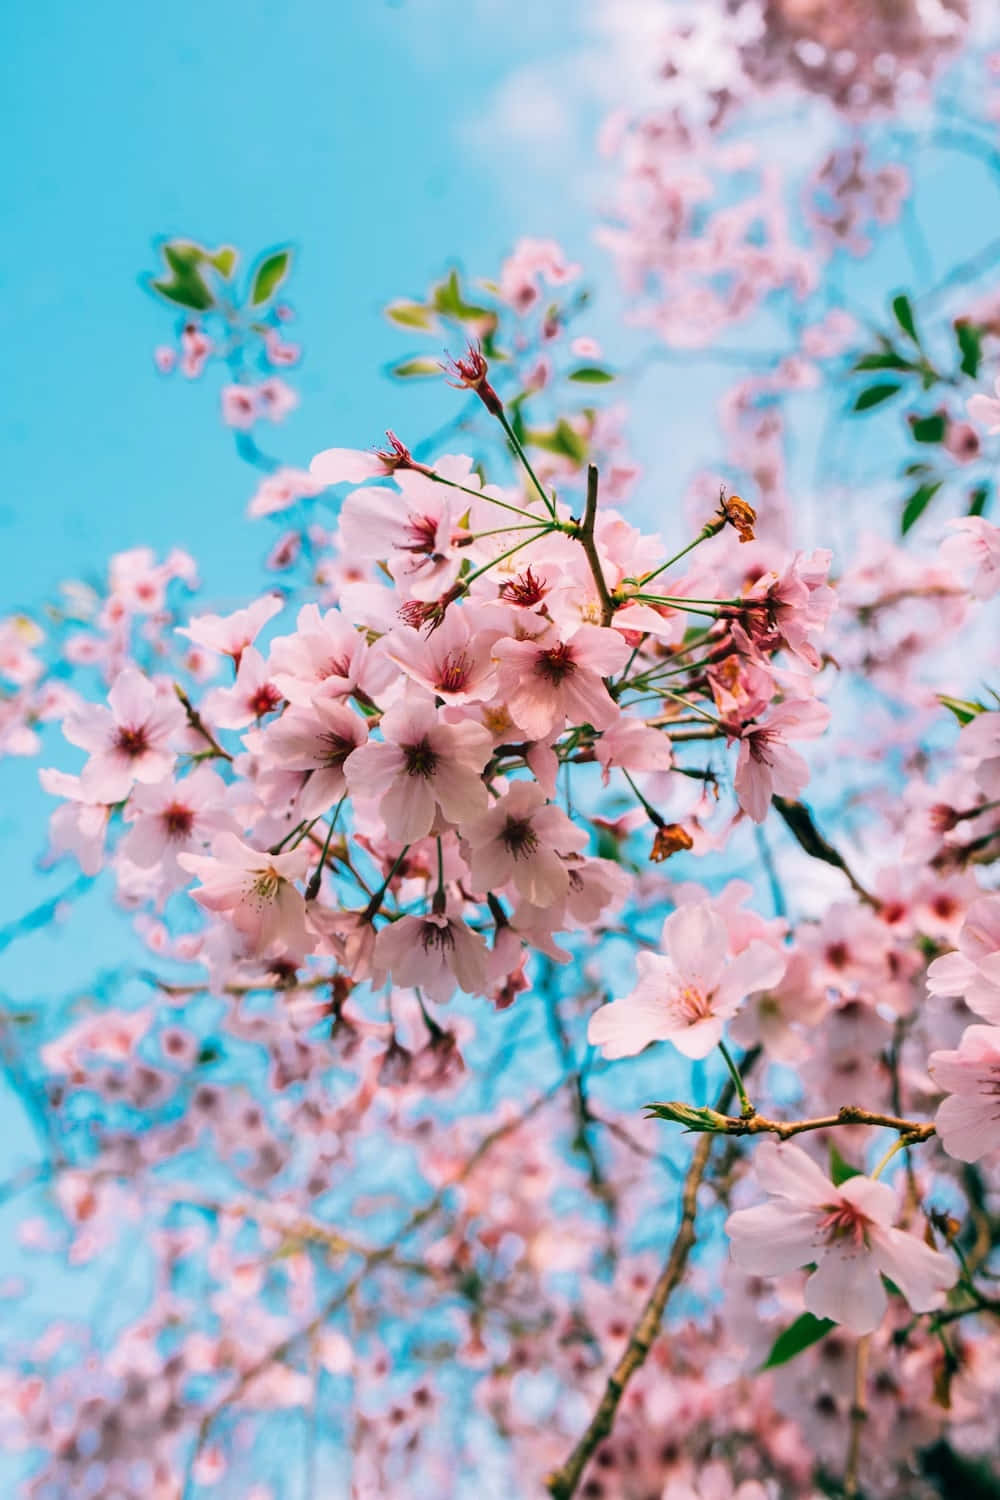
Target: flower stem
{"type": "Point", "coordinates": [746, 1108]}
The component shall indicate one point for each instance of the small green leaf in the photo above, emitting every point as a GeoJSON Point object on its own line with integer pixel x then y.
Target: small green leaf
{"type": "Point", "coordinates": [929, 429]}
{"type": "Point", "coordinates": [561, 439]}
{"type": "Point", "coordinates": [411, 367]}
{"type": "Point", "coordinates": [970, 344]}
{"type": "Point", "coordinates": [224, 260]}
{"type": "Point", "coordinates": [841, 1170]}
{"type": "Point", "coordinates": [269, 275]}
{"type": "Point", "coordinates": [874, 395]}
{"type": "Point", "coordinates": [918, 503]}
{"type": "Point", "coordinates": [691, 1116]}
{"type": "Point", "coordinates": [450, 302]}
{"type": "Point", "coordinates": [187, 290]}
{"type": "Point", "coordinates": [590, 375]}
{"type": "Point", "coordinates": [979, 498]}
{"type": "Point", "coordinates": [903, 309]}
{"type": "Point", "coordinates": [888, 360]}
{"type": "Point", "coordinates": [804, 1332]}
{"type": "Point", "coordinates": [964, 709]}
{"type": "Point", "coordinates": [410, 315]}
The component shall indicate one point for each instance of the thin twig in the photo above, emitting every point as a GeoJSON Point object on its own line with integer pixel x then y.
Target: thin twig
{"type": "Point", "coordinates": [562, 1483]}
{"type": "Point", "coordinates": [714, 1122]}
{"type": "Point", "coordinates": [585, 536]}
{"type": "Point", "coordinates": [859, 1416]}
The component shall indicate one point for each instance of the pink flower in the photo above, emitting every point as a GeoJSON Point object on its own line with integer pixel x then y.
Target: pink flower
{"type": "Point", "coordinates": [634, 746]}
{"type": "Point", "coordinates": [251, 697]}
{"type": "Point", "coordinates": [422, 769]}
{"type": "Point", "coordinates": [435, 953]}
{"type": "Point", "coordinates": [767, 764]}
{"type": "Point", "coordinates": [275, 399]}
{"type": "Point", "coordinates": [411, 534]}
{"type": "Point", "coordinates": [974, 971]}
{"type": "Point", "coordinates": [968, 1121]}
{"type": "Point", "coordinates": [979, 749]}
{"type": "Point", "coordinates": [79, 827]}
{"type": "Point", "coordinates": [519, 841]}
{"type": "Point", "coordinates": [254, 891]}
{"type": "Point", "coordinates": [230, 635]}
{"type": "Point", "coordinates": [454, 662]}
{"type": "Point", "coordinates": [686, 995]}
{"type": "Point", "coordinates": [547, 682]}
{"type": "Point", "coordinates": [352, 466]}
{"type": "Point", "coordinates": [847, 1231]}
{"type": "Point", "coordinates": [240, 408]}
{"type": "Point", "coordinates": [986, 409]}
{"type": "Point", "coordinates": [327, 655]}
{"type": "Point", "coordinates": [277, 491]}
{"type": "Point", "coordinates": [315, 741]}
{"type": "Point", "coordinates": [974, 547]}
{"type": "Point", "coordinates": [174, 816]}
{"type": "Point", "coordinates": [129, 741]}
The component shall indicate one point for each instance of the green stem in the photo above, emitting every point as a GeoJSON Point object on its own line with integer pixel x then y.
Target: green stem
{"type": "Point", "coordinates": [515, 443]}
{"type": "Point", "coordinates": [746, 1108]}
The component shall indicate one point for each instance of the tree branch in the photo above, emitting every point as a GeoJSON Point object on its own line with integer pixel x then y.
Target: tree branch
{"type": "Point", "coordinates": [585, 536]}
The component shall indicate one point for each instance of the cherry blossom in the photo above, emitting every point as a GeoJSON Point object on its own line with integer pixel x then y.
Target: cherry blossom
{"type": "Point", "coordinates": [847, 1231]}
{"type": "Point", "coordinates": [968, 1121]}
{"type": "Point", "coordinates": [128, 741]}
{"type": "Point", "coordinates": [686, 994]}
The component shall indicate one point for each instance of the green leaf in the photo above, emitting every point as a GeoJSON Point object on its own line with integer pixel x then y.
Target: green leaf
{"type": "Point", "coordinates": [979, 498]}
{"type": "Point", "coordinates": [269, 275]}
{"type": "Point", "coordinates": [450, 302]}
{"type": "Point", "coordinates": [970, 344]}
{"type": "Point", "coordinates": [918, 503]}
{"type": "Point", "coordinates": [874, 395]}
{"type": "Point", "coordinates": [224, 259]}
{"type": "Point", "coordinates": [411, 315]}
{"type": "Point", "coordinates": [903, 309]}
{"type": "Point", "coordinates": [964, 709]}
{"type": "Point", "coordinates": [929, 429]}
{"type": "Point", "coordinates": [561, 439]}
{"type": "Point", "coordinates": [186, 290]}
{"type": "Point", "coordinates": [841, 1170]}
{"type": "Point", "coordinates": [888, 360]}
{"type": "Point", "coordinates": [804, 1332]}
{"type": "Point", "coordinates": [411, 367]}
{"type": "Point", "coordinates": [590, 375]}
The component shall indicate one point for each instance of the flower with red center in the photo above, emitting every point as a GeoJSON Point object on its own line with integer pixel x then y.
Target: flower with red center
{"type": "Point", "coordinates": [435, 953]}
{"type": "Point", "coordinates": [315, 743]}
{"type": "Point", "coordinates": [326, 654]}
{"type": "Point", "coordinates": [454, 662]}
{"type": "Point", "coordinates": [520, 841]}
{"type": "Point", "coordinates": [128, 741]}
{"type": "Point", "coordinates": [413, 533]}
{"type": "Point", "coordinates": [174, 816]}
{"type": "Point", "coordinates": [767, 764]}
{"type": "Point", "coordinates": [846, 1232]}
{"type": "Point", "coordinates": [548, 682]}
{"type": "Point", "coordinates": [252, 696]}
{"type": "Point", "coordinates": [254, 891]}
{"type": "Point", "coordinates": [686, 995]}
{"type": "Point", "coordinates": [423, 771]}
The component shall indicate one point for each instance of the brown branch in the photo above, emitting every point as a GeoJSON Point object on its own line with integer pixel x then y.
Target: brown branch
{"type": "Point", "coordinates": [198, 724]}
{"type": "Point", "coordinates": [585, 536]}
{"type": "Point", "coordinates": [562, 1483]}
{"type": "Point", "coordinates": [799, 822]}
{"type": "Point", "coordinates": [714, 1122]}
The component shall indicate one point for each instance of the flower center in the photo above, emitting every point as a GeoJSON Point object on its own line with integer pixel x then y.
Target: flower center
{"type": "Point", "coordinates": [519, 837]}
{"type": "Point", "coordinates": [336, 748]}
{"type": "Point", "coordinates": [691, 1004]}
{"type": "Point", "coordinates": [421, 535]}
{"type": "Point", "coordinates": [843, 1221]}
{"type": "Point", "coordinates": [178, 820]}
{"type": "Point", "coordinates": [132, 741]}
{"type": "Point", "coordinates": [433, 937]}
{"type": "Point", "coordinates": [264, 700]}
{"type": "Point", "coordinates": [454, 674]}
{"type": "Point", "coordinates": [421, 759]}
{"type": "Point", "coordinates": [526, 589]}
{"type": "Point", "coordinates": [556, 665]}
